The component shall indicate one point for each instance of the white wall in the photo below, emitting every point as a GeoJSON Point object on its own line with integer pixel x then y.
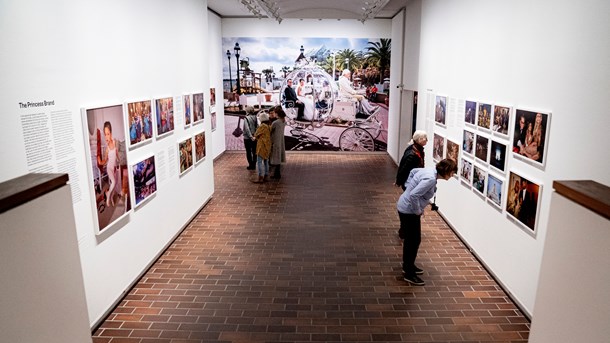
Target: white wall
{"type": "Point", "coordinates": [573, 253]}
{"type": "Point", "coordinates": [90, 53]}
{"type": "Point", "coordinates": [541, 54]}
{"type": "Point", "coordinates": [216, 57]}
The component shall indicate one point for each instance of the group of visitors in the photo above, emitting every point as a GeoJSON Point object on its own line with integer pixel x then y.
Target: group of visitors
{"type": "Point", "coordinates": [264, 142]}
{"type": "Point", "coordinates": [419, 186]}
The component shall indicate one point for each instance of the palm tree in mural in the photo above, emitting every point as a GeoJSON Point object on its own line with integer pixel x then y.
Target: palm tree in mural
{"type": "Point", "coordinates": [378, 55]}
{"type": "Point", "coordinates": [285, 70]}
{"type": "Point", "coordinates": [349, 59]}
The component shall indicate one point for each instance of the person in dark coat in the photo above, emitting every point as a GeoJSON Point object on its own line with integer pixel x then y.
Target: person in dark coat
{"type": "Point", "coordinates": [413, 157]}
{"type": "Point", "coordinates": [291, 96]}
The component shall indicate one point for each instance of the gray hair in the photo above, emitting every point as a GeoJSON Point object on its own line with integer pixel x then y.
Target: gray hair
{"type": "Point", "coordinates": [346, 71]}
{"type": "Point", "coordinates": [418, 136]}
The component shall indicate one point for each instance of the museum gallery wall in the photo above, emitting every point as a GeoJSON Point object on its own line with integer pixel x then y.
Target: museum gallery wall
{"type": "Point", "coordinates": [525, 112]}
{"type": "Point", "coordinates": [126, 111]}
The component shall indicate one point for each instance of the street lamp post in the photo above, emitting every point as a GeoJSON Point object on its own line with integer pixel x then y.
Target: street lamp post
{"type": "Point", "coordinates": [347, 63]}
{"type": "Point", "coordinates": [230, 81]}
{"type": "Point", "coordinates": [237, 49]}
{"type": "Point", "coordinates": [334, 66]}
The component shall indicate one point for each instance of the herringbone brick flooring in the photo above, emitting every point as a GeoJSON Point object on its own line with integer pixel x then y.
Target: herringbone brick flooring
{"type": "Point", "coordinates": [312, 258]}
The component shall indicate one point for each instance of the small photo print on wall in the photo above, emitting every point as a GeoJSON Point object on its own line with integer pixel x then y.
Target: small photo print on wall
{"type": "Point", "coordinates": [139, 122]}
{"type": "Point", "coordinates": [523, 200]}
{"type": "Point", "coordinates": [501, 120]}
{"type": "Point", "coordinates": [497, 156]}
{"type": "Point", "coordinates": [185, 153]}
{"type": "Point", "coordinates": [188, 113]}
{"type": "Point", "coordinates": [164, 113]}
{"type": "Point", "coordinates": [481, 148]}
{"type": "Point", "coordinates": [199, 147]}
{"type": "Point", "coordinates": [468, 142]}
{"type": "Point", "coordinates": [453, 151]}
{"type": "Point", "coordinates": [466, 170]}
{"type": "Point", "coordinates": [213, 120]}
{"type": "Point", "coordinates": [531, 135]}
{"type": "Point", "coordinates": [478, 179]}
{"type": "Point", "coordinates": [144, 179]}
{"type": "Point", "coordinates": [438, 147]}
{"type": "Point", "coordinates": [484, 116]}
{"type": "Point", "coordinates": [494, 190]}
{"type": "Point", "coordinates": [470, 112]}
{"type": "Point", "coordinates": [107, 164]}
{"type": "Point", "coordinates": [440, 110]}
{"type": "Point", "coordinates": [198, 108]}
{"type": "Point", "coordinates": [212, 97]}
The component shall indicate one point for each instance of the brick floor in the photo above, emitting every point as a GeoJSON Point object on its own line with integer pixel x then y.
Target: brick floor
{"type": "Point", "coordinates": [312, 258]}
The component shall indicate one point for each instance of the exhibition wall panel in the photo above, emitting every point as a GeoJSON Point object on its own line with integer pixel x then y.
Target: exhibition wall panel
{"type": "Point", "coordinates": [530, 58]}
{"type": "Point", "coordinates": [136, 65]}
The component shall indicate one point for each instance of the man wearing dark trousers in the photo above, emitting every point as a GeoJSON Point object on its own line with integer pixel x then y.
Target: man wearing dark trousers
{"type": "Point", "coordinates": [291, 96]}
{"type": "Point", "coordinates": [420, 188]}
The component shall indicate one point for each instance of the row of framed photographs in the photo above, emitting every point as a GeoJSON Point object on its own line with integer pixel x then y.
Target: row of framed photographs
{"type": "Point", "coordinates": [113, 180]}
{"type": "Point", "coordinates": [530, 129]}
{"type": "Point", "coordinates": [147, 118]}
{"type": "Point", "coordinates": [523, 200]}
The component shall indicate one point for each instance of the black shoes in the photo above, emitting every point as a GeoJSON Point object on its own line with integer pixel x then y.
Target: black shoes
{"type": "Point", "coordinates": [418, 270]}
{"type": "Point", "coordinates": [414, 280]}
{"type": "Point", "coordinates": [251, 168]}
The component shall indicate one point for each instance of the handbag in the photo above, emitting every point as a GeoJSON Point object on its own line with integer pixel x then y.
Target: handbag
{"type": "Point", "coordinates": [238, 131]}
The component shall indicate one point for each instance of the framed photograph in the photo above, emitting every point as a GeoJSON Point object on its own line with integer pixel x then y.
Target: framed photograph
{"type": "Point", "coordinates": [188, 113]}
{"type": "Point", "coordinates": [164, 114]}
{"type": "Point", "coordinates": [185, 153]}
{"type": "Point", "coordinates": [106, 164]}
{"type": "Point", "coordinates": [139, 122]}
{"type": "Point", "coordinates": [497, 155]}
{"type": "Point", "coordinates": [466, 170]}
{"type": "Point", "coordinates": [523, 200]}
{"type": "Point", "coordinates": [438, 147]}
{"type": "Point", "coordinates": [501, 120]}
{"type": "Point", "coordinates": [481, 148]}
{"type": "Point", "coordinates": [468, 142]}
{"type": "Point", "coordinates": [470, 111]}
{"type": "Point", "coordinates": [440, 110]}
{"type": "Point", "coordinates": [198, 108]}
{"type": "Point", "coordinates": [495, 185]}
{"type": "Point", "coordinates": [213, 120]}
{"type": "Point", "coordinates": [531, 136]}
{"type": "Point", "coordinates": [144, 178]}
{"type": "Point", "coordinates": [212, 97]}
{"type": "Point", "coordinates": [484, 116]}
{"type": "Point", "coordinates": [453, 151]}
{"type": "Point", "coordinates": [479, 175]}
{"type": "Point", "coordinates": [199, 147]}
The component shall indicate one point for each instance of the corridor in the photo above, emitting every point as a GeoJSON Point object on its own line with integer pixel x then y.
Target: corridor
{"type": "Point", "coordinates": [314, 257]}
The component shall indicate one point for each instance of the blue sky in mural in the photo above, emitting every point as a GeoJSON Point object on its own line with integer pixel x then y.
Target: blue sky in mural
{"type": "Point", "coordinates": [278, 52]}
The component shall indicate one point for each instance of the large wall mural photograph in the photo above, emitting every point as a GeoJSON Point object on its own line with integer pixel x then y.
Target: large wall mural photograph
{"type": "Point", "coordinates": [335, 91]}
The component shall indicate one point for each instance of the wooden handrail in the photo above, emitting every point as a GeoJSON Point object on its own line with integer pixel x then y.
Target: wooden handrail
{"type": "Point", "coordinates": [590, 194]}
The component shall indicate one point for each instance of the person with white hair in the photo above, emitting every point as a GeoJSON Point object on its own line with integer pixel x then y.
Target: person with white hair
{"type": "Point", "coordinates": [412, 158]}
{"type": "Point", "coordinates": [346, 92]}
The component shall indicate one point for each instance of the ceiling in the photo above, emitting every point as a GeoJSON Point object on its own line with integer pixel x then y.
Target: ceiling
{"type": "Point", "coordinates": [308, 9]}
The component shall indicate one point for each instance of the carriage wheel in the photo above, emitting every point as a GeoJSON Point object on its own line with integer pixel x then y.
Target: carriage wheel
{"type": "Point", "coordinates": [374, 128]}
{"type": "Point", "coordinates": [356, 139]}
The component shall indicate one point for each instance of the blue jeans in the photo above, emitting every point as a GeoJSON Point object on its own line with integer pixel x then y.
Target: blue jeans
{"type": "Point", "coordinates": [261, 163]}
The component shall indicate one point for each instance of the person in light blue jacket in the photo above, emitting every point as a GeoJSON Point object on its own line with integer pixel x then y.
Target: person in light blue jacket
{"type": "Point", "coordinates": [419, 189]}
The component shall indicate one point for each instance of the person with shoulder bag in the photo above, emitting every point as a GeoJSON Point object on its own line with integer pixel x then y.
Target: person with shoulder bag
{"type": "Point", "coordinates": [250, 126]}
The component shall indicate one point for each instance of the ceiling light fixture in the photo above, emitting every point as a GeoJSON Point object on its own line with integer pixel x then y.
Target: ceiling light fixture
{"type": "Point", "coordinates": [371, 9]}
{"type": "Point", "coordinates": [268, 7]}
